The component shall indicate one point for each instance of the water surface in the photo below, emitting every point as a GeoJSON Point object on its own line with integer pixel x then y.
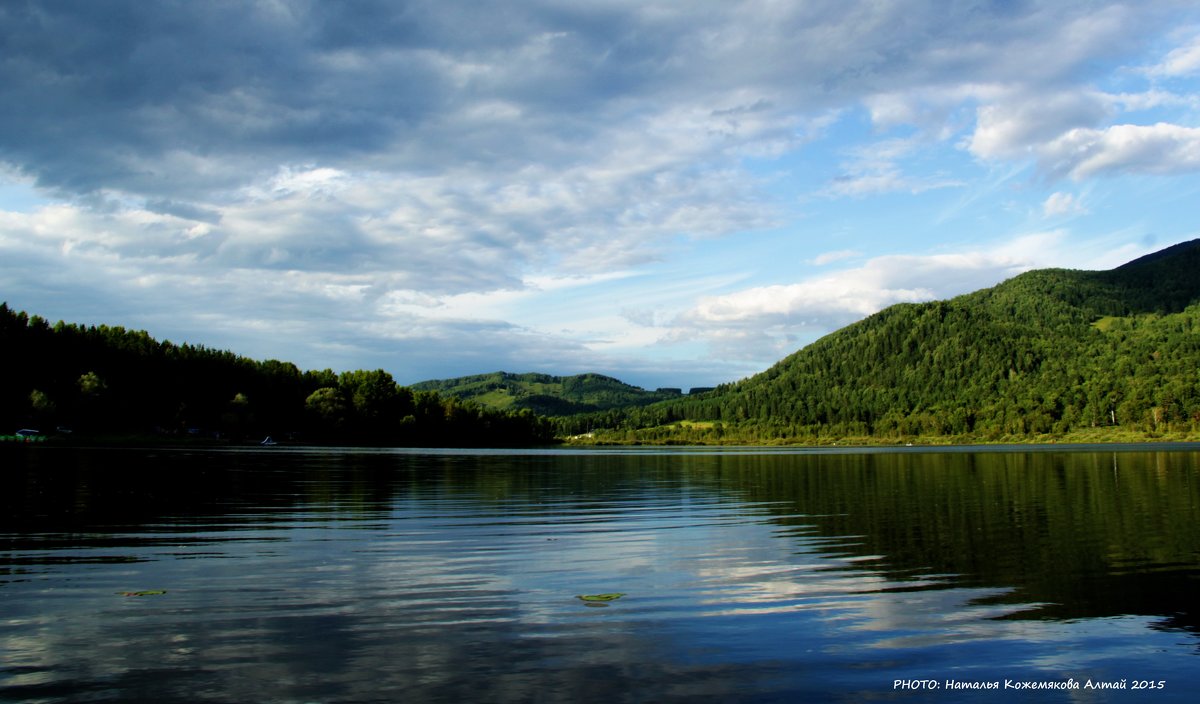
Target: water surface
{"type": "Point", "coordinates": [359, 576]}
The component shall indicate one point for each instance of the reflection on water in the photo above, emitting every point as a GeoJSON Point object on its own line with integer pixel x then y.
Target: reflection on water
{"type": "Point", "coordinates": [415, 576]}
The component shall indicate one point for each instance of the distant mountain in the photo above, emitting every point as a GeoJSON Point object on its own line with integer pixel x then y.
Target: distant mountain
{"type": "Point", "coordinates": [545, 394]}
{"type": "Point", "coordinates": [1049, 351]}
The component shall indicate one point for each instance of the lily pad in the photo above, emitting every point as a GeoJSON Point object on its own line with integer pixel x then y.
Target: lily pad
{"type": "Point", "coordinates": [612, 596]}
{"type": "Point", "coordinates": [145, 592]}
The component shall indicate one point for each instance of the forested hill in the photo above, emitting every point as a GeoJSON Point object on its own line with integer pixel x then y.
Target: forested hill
{"type": "Point", "coordinates": [546, 394]}
{"type": "Point", "coordinates": [106, 381]}
{"type": "Point", "coordinates": [1049, 351]}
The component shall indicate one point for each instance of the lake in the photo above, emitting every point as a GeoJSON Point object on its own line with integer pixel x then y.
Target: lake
{"type": "Point", "coordinates": [327, 575]}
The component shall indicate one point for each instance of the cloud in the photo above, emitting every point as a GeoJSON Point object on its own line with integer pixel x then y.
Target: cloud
{"type": "Point", "coordinates": [1180, 61]}
{"type": "Point", "coordinates": [874, 179]}
{"type": "Point", "coordinates": [1064, 135]}
{"type": "Point", "coordinates": [765, 322]}
{"type": "Point", "coordinates": [374, 87]}
{"type": "Point", "coordinates": [833, 300]}
{"type": "Point", "coordinates": [1060, 203]}
{"type": "Point", "coordinates": [1151, 149]}
{"type": "Point", "coordinates": [1014, 127]}
{"type": "Point", "coordinates": [388, 178]}
{"type": "Point", "coordinates": [875, 168]}
{"type": "Point", "coordinates": [834, 256]}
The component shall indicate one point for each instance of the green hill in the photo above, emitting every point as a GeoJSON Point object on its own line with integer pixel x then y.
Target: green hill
{"type": "Point", "coordinates": [545, 394]}
{"type": "Point", "coordinates": [1048, 352]}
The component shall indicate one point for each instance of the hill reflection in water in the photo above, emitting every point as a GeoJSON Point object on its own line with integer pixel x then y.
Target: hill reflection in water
{"type": "Point", "coordinates": [367, 575]}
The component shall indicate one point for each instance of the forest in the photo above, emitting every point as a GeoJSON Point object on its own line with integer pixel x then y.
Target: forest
{"type": "Point", "coordinates": [1048, 353]}
{"type": "Point", "coordinates": [1052, 353]}
{"type": "Point", "coordinates": [548, 395]}
{"type": "Point", "coordinates": [69, 380]}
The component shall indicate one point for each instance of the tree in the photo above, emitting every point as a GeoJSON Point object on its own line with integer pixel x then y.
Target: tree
{"type": "Point", "coordinates": [238, 416]}
{"type": "Point", "coordinates": [44, 409]}
{"type": "Point", "coordinates": [376, 402]}
{"type": "Point", "coordinates": [327, 408]}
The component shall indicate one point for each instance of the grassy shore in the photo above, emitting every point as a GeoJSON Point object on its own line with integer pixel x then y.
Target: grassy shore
{"type": "Point", "coordinates": [1089, 436]}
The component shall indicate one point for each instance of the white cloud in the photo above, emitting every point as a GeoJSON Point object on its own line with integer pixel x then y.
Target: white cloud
{"type": "Point", "coordinates": [834, 256]}
{"type": "Point", "coordinates": [1180, 61]}
{"type": "Point", "coordinates": [1153, 149]}
{"type": "Point", "coordinates": [308, 181]}
{"type": "Point", "coordinates": [832, 300]}
{"type": "Point", "coordinates": [1015, 126]}
{"type": "Point", "coordinates": [1060, 203]}
{"type": "Point", "coordinates": [1065, 135]}
{"type": "Point", "coordinates": [779, 318]}
{"type": "Point", "coordinates": [1152, 99]}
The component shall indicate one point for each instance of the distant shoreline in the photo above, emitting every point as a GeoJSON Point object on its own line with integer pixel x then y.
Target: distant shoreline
{"type": "Point", "coordinates": [1100, 437]}
{"type": "Point", "coordinates": [1065, 441]}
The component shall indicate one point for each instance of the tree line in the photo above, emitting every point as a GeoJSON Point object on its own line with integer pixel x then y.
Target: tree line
{"type": "Point", "coordinates": [1048, 352]}
{"type": "Point", "coordinates": [110, 380]}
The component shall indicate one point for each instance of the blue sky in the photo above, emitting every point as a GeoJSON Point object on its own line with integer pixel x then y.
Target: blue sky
{"type": "Point", "coordinates": [676, 194]}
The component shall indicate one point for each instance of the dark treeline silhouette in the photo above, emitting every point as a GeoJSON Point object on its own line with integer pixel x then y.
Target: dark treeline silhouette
{"type": "Point", "coordinates": [103, 380]}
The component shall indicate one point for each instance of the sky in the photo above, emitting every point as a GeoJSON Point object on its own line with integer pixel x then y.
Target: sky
{"type": "Point", "coordinates": [676, 194]}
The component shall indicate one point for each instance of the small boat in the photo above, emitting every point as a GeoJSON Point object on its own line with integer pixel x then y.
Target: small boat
{"type": "Point", "coordinates": [268, 441]}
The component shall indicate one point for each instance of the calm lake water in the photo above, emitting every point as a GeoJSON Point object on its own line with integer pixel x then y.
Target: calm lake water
{"type": "Point", "coordinates": [284, 575]}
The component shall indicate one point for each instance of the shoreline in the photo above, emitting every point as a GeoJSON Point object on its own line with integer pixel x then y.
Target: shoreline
{"type": "Point", "coordinates": [1091, 438]}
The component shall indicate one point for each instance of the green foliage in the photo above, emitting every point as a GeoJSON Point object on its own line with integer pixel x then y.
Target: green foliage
{"type": "Point", "coordinates": [90, 384]}
{"type": "Point", "coordinates": [110, 380]}
{"type": "Point", "coordinates": [547, 395]}
{"type": "Point", "coordinates": [43, 407]}
{"type": "Point", "coordinates": [327, 408]}
{"type": "Point", "coordinates": [1045, 353]}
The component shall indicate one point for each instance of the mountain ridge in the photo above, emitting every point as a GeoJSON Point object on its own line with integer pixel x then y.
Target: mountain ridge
{"type": "Point", "coordinates": [547, 394]}
{"type": "Point", "coordinates": [1045, 354]}
{"type": "Point", "coordinates": [1047, 351]}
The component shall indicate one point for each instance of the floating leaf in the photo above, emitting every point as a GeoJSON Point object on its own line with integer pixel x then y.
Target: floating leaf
{"type": "Point", "coordinates": [613, 596]}
{"type": "Point", "coordinates": [145, 592]}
